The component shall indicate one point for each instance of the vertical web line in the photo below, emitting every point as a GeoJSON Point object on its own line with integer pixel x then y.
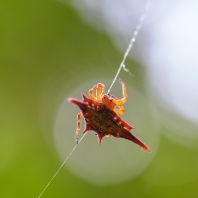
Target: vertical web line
{"type": "Point", "coordinates": [133, 39]}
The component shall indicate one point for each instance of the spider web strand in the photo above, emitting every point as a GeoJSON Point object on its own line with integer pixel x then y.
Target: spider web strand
{"type": "Point", "coordinates": [61, 167]}
{"type": "Point", "coordinates": [133, 39]}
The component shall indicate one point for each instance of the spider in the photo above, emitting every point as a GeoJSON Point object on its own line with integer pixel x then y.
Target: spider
{"type": "Point", "coordinates": [101, 115]}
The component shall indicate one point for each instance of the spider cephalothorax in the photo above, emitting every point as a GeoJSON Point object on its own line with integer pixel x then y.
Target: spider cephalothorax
{"type": "Point", "coordinates": [100, 115]}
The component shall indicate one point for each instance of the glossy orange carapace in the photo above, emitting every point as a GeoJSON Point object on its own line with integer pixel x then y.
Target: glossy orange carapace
{"type": "Point", "coordinates": [101, 115]}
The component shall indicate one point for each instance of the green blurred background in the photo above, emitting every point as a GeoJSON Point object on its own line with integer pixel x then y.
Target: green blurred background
{"type": "Point", "coordinates": [43, 46]}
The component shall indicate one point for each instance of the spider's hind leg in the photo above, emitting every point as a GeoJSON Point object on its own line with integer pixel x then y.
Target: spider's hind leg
{"type": "Point", "coordinates": [78, 125]}
{"type": "Point", "coordinates": [120, 110]}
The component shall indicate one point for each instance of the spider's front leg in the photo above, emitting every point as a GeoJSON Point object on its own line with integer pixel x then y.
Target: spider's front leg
{"type": "Point", "coordinates": [91, 93]}
{"type": "Point", "coordinates": [99, 92]}
{"type": "Point", "coordinates": [123, 100]}
{"type": "Point", "coordinates": [78, 125]}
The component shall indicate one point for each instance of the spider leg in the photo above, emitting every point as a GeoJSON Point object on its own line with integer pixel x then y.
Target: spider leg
{"type": "Point", "coordinates": [78, 125]}
{"type": "Point", "coordinates": [123, 100]}
{"type": "Point", "coordinates": [91, 93]}
{"type": "Point", "coordinates": [120, 110]}
{"type": "Point", "coordinates": [100, 91]}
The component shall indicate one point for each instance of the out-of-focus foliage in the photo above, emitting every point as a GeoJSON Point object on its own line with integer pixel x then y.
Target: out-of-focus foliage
{"type": "Point", "coordinates": [43, 46]}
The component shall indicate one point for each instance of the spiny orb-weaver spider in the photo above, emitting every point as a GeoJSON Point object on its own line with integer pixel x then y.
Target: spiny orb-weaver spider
{"type": "Point", "coordinates": [100, 115]}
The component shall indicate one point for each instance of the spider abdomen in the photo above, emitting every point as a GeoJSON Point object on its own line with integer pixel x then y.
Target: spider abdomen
{"type": "Point", "coordinates": [104, 121]}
